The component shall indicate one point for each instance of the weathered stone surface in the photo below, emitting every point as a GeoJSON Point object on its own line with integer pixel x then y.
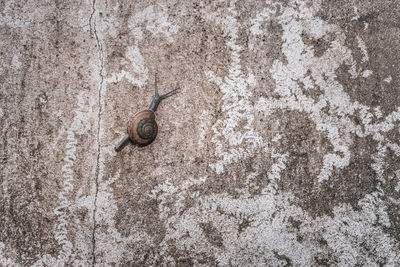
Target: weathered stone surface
{"type": "Point", "coordinates": [281, 147]}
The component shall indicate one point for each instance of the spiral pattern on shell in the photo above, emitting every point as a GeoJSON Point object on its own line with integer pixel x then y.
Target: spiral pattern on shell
{"type": "Point", "coordinates": [142, 128]}
{"type": "Point", "coordinates": [147, 128]}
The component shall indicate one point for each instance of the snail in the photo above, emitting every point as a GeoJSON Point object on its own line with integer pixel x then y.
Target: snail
{"type": "Point", "coordinates": [142, 128]}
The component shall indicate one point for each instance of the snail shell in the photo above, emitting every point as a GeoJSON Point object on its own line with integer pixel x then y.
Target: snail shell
{"type": "Point", "coordinates": [142, 128]}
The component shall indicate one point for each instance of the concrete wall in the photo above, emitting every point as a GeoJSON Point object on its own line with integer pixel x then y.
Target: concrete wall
{"type": "Point", "coordinates": [281, 148]}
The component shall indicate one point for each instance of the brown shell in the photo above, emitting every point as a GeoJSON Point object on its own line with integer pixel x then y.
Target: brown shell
{"type": "Point", "coordinates": [142, 128]}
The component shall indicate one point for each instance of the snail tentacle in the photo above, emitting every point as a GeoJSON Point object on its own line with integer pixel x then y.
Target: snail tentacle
{"type": "Point", "coordinates": [157, 98]}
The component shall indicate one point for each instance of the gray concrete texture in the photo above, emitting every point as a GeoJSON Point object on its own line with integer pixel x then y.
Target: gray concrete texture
{"type": "Point", "coordinates": [281, 148]}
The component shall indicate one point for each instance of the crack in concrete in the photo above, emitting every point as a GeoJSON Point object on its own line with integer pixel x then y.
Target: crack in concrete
{"type": "Point", "coordinates": [91, 16]}
{"type": "Point", "coordinates": [93, 29]}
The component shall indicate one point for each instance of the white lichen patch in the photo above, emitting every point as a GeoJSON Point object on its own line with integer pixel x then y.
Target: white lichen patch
{"type": "Point", "coordinates": [356, 15]}
{"type": "Point", "coordinates": [263, 17]}
{"type": "Point", "coordinates": [137, 66]}
{"type": "Point", "coordinates": [15, 63]}
{"type": "Point", "coordinates": [350, 233]}
{"type": "Point", "coordinates": [397, 188]}
{"type": "Point", "coordinates": [82, 123]}
{"type": "Point", "coordinates": [363, 48]}
{"type": "Point", "coordinates": [157, 23]}
{"type": "Point", "coordinates": [388, 79]}
{"type": "Point", "coordinates": [366, 73]}
{"type": "Point", "coordinates": [235, 103]}
{"type": "Point", "coordinates": [300, 57]}
{"type": "Point", "coordinates": [258, 228]}
{"type": "Point", "coordinates": [5, 261]}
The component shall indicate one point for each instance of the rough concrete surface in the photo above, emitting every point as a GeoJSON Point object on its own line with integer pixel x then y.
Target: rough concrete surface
{"type": "Point", "coordinates": [282, 147]}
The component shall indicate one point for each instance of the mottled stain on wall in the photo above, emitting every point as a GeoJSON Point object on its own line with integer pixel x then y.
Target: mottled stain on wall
{"type": "Point", "coordinates": [281, 147]}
